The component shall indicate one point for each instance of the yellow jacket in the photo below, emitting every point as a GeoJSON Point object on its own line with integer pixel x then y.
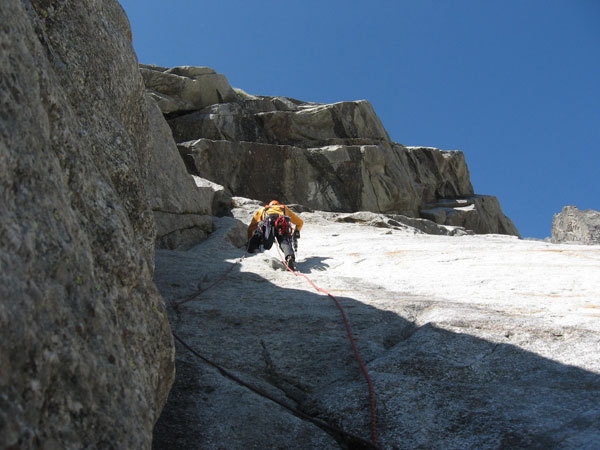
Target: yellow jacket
{"type": "Point", "coordinates": [274, 209]}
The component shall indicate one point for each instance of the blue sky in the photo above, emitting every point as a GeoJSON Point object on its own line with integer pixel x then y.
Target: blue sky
{"type": "Point", "coordinates": [514, 84]}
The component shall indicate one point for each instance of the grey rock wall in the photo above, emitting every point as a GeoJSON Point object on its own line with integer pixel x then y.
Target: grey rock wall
{"type": "Point", "coordinates": [86, 354]}
{"type": "Point", "coordinates": [186, 88]}
{"type": "Point", "coordinates": [371, 177]}
{"type": "Point", "coordinates": [333, 157]}
{"type": "Point", "coordinates": [182, 211]}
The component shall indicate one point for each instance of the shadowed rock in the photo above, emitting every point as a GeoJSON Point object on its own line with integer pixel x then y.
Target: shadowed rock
{"type": "Point", "coordinates": [86, 353]}
{"type": "Point", "coordinates": [182, 211]}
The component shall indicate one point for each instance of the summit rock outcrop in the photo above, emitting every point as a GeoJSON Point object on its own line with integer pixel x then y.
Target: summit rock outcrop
{"type": "Point", "coordinates": [332, 157]}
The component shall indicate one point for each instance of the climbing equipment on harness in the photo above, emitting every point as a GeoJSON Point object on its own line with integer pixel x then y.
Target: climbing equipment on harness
{"type": "Point", "coordinates": [282, 225]}
{"type": "Point", "coordinates": [266, 227]}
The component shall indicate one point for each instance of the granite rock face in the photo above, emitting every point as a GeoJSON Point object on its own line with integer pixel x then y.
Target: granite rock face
{"type": "Point", "coordinates": [87, 357]}
{"type": "Point", "coordinates": [479, 213]}
{"type": "Point", "coordinates": [282, 121]}
{"type": "Point", "coordinates": [186, 88]}
{"type": "Point", "coordinates": [471, 341]}
{"type": "Point", "coordinates": [182, 211]}
{"type": "Point", "coordinates": [334, 157]}
{"type": "Point", "coordinates": [576, 226]}
{"type": "Point", "coordinates": [369, 177]}
{"type": "Point", "coordinates": [92, 182]}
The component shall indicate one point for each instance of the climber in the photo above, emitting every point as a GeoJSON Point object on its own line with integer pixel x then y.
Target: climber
{"type": "Point", "coordinates": [275, 221]}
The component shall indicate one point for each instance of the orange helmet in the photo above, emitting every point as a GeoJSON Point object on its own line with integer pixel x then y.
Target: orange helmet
{"type": "Point", "coordinates": [273, 203]}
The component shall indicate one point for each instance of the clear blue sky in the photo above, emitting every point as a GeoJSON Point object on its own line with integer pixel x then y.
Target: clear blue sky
{"type": "Point", "coordinates": [515, 84]}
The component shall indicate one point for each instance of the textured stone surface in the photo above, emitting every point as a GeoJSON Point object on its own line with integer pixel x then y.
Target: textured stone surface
{"type": "Point", "coordinates": [186, 88]}
{"type": "Point", "coordinates": [182, 211]}
{"type": "Point", "coordinates": [480, 213]}
{"type": "Point", "coordinates": [86, 353]}
{"type": "Point", "coordinates": [398, 222]}
{"type": "Point", "coordinates": [574, 225]}
{"type": "Point", "coordinates": [472, 341]}
{"type": "Point", "coordinates": [282, 121]}
{"type": "Point", "coordinates": [335, 157]}
{"type": "Point", "coordinates": [380, 178]}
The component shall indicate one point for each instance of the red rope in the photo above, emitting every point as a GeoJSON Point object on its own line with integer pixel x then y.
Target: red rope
{"type": "Point", "coordinates": [318, 422]}
{"type": "Point", "coordinates": [363, 367]}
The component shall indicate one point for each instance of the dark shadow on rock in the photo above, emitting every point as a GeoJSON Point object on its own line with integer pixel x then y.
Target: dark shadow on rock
{"type": "Point", "coordinates": [317, 263]}
{"type": "Point", "coordinates": [435, 388]}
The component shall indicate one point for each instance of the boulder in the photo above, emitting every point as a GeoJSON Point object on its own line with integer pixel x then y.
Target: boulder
{"type": "Point", "coordinates": [480, 213]}
{"type": "Point", "coordinates": [221, 199]}
{"type": "Point", "coordinates": [576, 226]}
{"type": "Point", "coordinates": [87, 356]}
{"type": "Point", "coordinates": [186, 88]}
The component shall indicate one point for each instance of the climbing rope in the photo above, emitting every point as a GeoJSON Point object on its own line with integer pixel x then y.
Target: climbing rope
{"type": "Point", "coordinates": [357, 441]}
{"type": "Point", "coordinates": [349, 334]}
{"type": "Point", "coordinates": [363, 367]}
